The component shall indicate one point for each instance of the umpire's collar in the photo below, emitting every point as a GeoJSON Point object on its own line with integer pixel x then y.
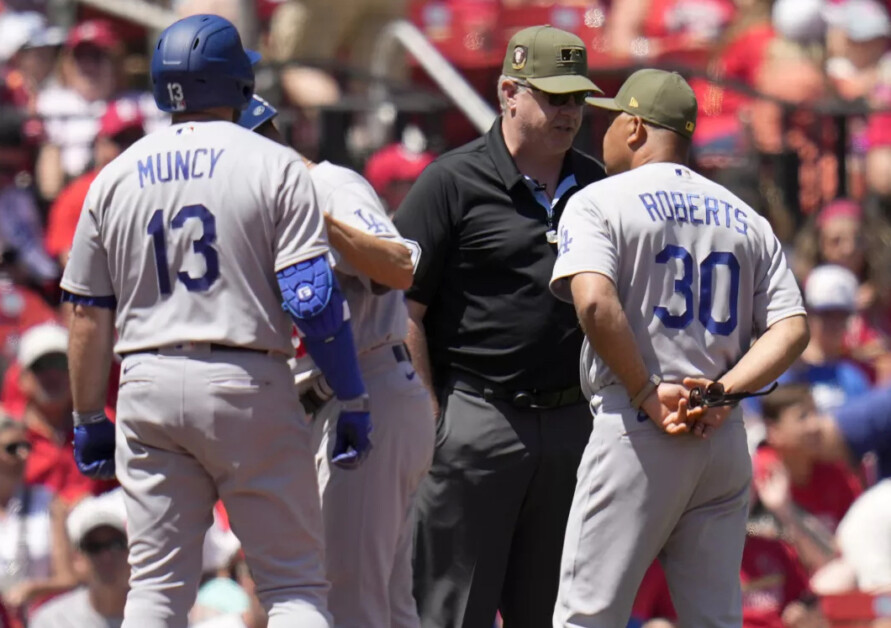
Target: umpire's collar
{"type": "Point", "coordinates": [507, 169]}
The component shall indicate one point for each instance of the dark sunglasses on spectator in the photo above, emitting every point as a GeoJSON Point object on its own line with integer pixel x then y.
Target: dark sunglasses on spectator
{"type": "Point", "coordinates": [94, 548]}
{"type": "Point", "coordinates": [560, 100]}
{"type": "Point", "coordinates": [13, 449]}
{"type": "Point", "coordinates": [89, 52]}
{"type": "Point", "coordinates": [50, 361]}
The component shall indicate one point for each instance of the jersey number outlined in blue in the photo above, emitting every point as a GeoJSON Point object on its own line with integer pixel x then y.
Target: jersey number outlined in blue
{"type": "Point", "coordinates": [202, 246]}
{"type": "Point", "coordinates": [684, 286]}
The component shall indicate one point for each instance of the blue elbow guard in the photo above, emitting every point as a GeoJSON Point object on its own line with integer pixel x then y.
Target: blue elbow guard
{"type": "Point", "coordinates": [313, 298]}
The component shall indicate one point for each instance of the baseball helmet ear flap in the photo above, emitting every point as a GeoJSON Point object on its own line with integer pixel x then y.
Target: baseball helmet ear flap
{"type": "Point", "coordinates": [256, 113]}
{"type": "Point", "coordinates": [200, 63]}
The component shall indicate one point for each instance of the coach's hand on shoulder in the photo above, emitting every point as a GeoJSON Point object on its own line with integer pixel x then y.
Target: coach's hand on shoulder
{"type": "Point", "coordinates": [94, 445]}
{"type": "Point", "coordinates": [352, 441]}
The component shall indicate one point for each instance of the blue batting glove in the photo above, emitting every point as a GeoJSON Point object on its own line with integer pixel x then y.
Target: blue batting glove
{"type": "Point", "coordinates": [94, 445]}
{"type": "Point", "coordinates": [352, 441]}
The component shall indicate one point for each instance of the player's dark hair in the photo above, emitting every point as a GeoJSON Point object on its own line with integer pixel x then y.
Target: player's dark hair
{"type": "Point", "coordinates": [785, 396]}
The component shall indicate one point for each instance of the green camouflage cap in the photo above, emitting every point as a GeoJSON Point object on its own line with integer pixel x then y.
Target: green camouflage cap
{"type": "Point", "coordinates": [550, 60]}
{"type": "Point", "coordinates": [659, 97]}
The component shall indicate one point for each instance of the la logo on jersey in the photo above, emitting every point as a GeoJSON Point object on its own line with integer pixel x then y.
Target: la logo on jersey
{"type": "Point", "coordinates": [565, 241]}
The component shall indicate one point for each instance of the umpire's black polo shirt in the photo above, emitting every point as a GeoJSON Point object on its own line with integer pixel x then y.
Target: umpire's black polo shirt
{"type": "Point", "coordinates": [484, 267]}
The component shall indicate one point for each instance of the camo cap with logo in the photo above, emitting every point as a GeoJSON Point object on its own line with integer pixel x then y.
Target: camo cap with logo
{"type": "Point", "coordinates": [550, 60]}
{"type": "Point", "coordinates": [659, 97]}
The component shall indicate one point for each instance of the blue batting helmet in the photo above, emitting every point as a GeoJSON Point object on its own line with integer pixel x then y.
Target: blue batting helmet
{"type": "Point", "coordinates": [256, 113]}
{"type": "Point", "coordinates": [199, 63]}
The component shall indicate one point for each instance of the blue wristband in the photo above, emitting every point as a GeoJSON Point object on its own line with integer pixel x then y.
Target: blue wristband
{"type": "Point", "coordinates": [335, 356]}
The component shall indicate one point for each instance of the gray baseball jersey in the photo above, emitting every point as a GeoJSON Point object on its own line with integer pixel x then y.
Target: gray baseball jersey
{"type": "Point", "coordinates": [185, 231]}
{"type": "Point", "coordinates": [186, 252]}
{"type": "Point", "coordinates": [700, 275]}
{"type": "Point", "coordinates": [376, 319]}
{"type": "Point", "coordinates": [369, 564]}
{"type": "Point", "coordinates": [704, 271]}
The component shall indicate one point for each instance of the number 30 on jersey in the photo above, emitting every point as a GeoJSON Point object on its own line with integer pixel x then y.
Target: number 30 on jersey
{"type": "Point", "coordinates": [684, 286]}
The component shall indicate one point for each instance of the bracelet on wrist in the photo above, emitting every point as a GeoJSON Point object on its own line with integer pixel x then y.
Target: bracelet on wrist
{"type": "Point", "coordinates": [651, 385]}
{"type": "Point", "coordinates": [86, 418]}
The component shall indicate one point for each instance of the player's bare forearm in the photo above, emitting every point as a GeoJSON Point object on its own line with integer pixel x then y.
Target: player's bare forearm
{"type": "Point", "coordinates": [813, 542]}
{"type": "Point", "coordinates": [774, 352]}
{"type": "Point", "coordinates": [61, 557]}
{"type": "Point", "coordinates": [90, 340]}
{"type": "Point", "coordinates": [385, 262]}
{"type": "Point", "coordinates": [606, 326]}
{"type": "Point", "coordinates": [416, 340]}
{"type": "Point", "coordinates": [604, 322]}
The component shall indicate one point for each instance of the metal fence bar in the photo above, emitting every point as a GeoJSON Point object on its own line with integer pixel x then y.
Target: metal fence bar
{"type": "Point", "coordinates": [459, 91]}
{"type": "Point", "coordinates": [139, 11]}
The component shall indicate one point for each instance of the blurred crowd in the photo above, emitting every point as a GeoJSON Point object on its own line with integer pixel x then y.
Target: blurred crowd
{"type": "Point", "coordinates": [795, 117]}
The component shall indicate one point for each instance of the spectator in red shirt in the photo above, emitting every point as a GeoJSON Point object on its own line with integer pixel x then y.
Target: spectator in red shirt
{"type": "Point", "coordinates": [676, 30]}
{"type": "Point", "coordinates": [653, 606]}
{"type": "Point", "coordinates": [774, 588]}
{"type": "Point", "coordinates": [721, 138]}
{"type": "Point", "coordinates": [91, 69]}
{"type": "Point", "coordinates": [807, 496]}
{"type": "Point", "coordinates": [393, 169]}
{"type": "Point", "coordinates": [120, 126]}
{"type": "Point", "coordinates": [47, 414]}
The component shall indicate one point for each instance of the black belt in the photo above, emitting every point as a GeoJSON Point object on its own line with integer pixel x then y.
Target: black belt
{"type": "Point", "coordinates": [400, 352]}
{"type": "Point", "coordinates": [531, 399]}
{"type": "Point", "coordinates": [313, 398]}
{"type": "Point", "coordinates": [212, 345]}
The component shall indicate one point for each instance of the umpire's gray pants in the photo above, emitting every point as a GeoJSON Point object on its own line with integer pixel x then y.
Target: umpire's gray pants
{"type": "Point", "coordinates": [195, 427]}
{"type": "Point", "coordinates": [492, 512]}
{"type": "Point", "coordinates": [641, 494]}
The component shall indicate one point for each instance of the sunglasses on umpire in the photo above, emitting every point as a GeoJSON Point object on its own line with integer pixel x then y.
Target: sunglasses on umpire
{"type": "Point", "coordinates": [577, 99]}
{"type": "Point", "coordinates": [18, 448]}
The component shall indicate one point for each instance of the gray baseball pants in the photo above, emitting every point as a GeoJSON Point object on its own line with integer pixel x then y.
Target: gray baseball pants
{"type": "Point", "coordinates": [197, 425]}
{"type": "Point", "coordinates": [367, 511]}
{"type": "Point", "coordinates": [641, 494]}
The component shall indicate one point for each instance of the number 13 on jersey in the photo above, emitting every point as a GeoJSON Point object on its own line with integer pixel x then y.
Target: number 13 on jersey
{"type": "Point", "coordinates": [202, 246]}
{"type": "Point", "coordinates": [683, 285]}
